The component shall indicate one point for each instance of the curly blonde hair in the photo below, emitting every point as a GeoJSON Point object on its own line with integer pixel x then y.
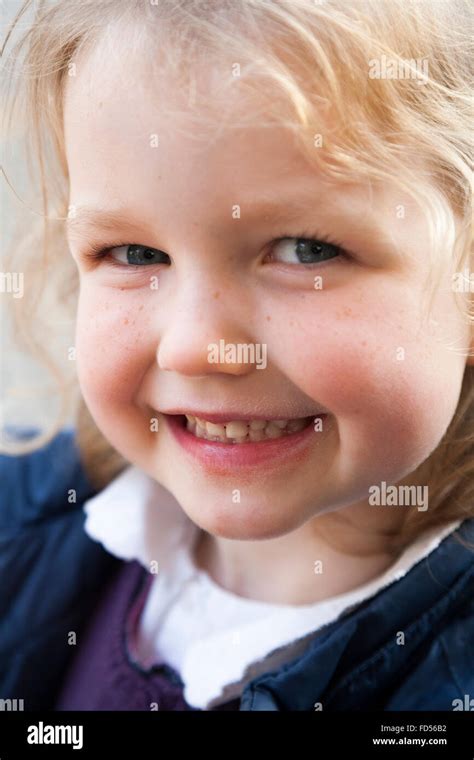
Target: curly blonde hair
{"type": "Point", "coordinates": [317, 54]}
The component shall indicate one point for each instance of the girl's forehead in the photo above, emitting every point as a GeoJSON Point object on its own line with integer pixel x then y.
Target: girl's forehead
{"type": "Point", "coordinates": [121, 116]}
{"type": "Point", "coordinates": [208, 92]}
{"type": "Point", "coordinates": [153, 142]}
{"type": "Point", "coordinates": [121, 105]}
{"type": "Point", "coordinates": [150, 151]}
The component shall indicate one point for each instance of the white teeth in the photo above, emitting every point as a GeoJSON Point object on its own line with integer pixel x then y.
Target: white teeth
{"type": "Point", "coordinates": [236, 429]}
{"type": "Point", "coordinates": [257, 424]}
{"type": "Point", "coordinates": [295, 425]}
{"type": "Point", "coordinates": [273, 431]}
{"type": "Point", "coordinates": [213, 429]}
{"type": "Point", "coordinates": [240, 431]}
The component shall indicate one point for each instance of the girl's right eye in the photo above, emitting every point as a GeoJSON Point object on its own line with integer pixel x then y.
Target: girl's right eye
{"type": "Point", "coordinates": [138, 255]}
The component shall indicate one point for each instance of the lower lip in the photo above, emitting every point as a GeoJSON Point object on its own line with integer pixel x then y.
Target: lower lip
{"type": "Point", "coordinates": [223, 457]}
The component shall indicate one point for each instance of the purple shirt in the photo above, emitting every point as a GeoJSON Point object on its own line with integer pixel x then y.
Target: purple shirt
{"type": "Point", "coordinates": [103, 674]}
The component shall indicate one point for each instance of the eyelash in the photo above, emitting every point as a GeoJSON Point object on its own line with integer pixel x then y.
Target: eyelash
{"type": "Point", "coordinates": [98, 252]}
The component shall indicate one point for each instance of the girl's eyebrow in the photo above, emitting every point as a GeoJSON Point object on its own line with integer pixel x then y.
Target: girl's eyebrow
{"type": "Point", "coordinates": [96, 219]}
{"type": "Point", "coordinates": [93, 218]}
{"type": "Point", "coordinates": [87, 219]}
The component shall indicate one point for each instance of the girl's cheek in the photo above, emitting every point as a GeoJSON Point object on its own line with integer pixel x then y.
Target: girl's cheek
{"type": "Point", "coordinates": [112, 353]}
{"type": "Point", "coordinates": [379, 375]}
{"type": "Point", "coordinates": [371, 370]}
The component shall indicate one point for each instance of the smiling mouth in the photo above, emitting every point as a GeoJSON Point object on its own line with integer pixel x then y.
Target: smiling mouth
{"type": "Point", "coordinates": [243, 431]}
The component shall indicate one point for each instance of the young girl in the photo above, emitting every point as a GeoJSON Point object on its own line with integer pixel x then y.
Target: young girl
{"type": "Point", "coordinates": [266, 500]}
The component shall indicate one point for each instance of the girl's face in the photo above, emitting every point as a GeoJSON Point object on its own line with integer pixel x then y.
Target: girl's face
{"type": "Point", "coordinates": [346, 335]}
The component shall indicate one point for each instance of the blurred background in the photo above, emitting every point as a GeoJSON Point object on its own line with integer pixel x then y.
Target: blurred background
{"type": "Point", "coordinates": [27, 394]}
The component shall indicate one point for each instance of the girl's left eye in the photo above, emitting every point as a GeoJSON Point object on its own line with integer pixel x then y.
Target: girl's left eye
{"type": "Point", "coordinates": [138, 255]}
{"type": "Point", "coordinates": [304, 251]}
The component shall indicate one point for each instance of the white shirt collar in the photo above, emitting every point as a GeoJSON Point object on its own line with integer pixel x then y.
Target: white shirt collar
{"type": "Point", "coordinates": [135, 518]}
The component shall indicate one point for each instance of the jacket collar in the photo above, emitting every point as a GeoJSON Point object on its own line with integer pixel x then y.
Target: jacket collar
{"type": "Point", "coordinates": [356, 658]}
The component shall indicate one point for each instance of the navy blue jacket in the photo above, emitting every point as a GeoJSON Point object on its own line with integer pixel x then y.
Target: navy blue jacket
{"type": "Point", "coordinates": [52, 573]}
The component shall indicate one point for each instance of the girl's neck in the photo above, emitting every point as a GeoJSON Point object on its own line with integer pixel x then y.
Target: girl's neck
{"type": "Point", "coordinates": [302, 567]}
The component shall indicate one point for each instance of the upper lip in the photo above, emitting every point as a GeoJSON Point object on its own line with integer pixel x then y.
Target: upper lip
{"type": "Point", "coordinates": [233, 415]}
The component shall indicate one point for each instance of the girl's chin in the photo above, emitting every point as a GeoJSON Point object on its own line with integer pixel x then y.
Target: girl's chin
{"type": "Point", "coordinates": [246, 520]}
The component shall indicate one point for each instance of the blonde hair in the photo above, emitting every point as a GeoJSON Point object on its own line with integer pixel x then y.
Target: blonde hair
{"type": "Point", "coordinates": [317, 54]}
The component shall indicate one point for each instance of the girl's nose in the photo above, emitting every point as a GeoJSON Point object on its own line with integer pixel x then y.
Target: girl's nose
{"type": "Point", "coordinates": [206, 336]}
